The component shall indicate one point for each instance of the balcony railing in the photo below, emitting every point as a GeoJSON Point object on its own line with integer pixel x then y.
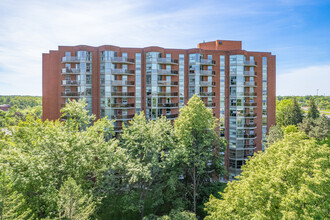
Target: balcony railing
{"type": "Point", "coordinates": [122, 83]}
{"type": "Point", "coordinates": [207, 73]}
{"type": "Point", "coordinates": [70, 82]}
{"type": "Point", "coordinates": [207, 62]}
{"type": "Point", "coordinates": [164, 94]}
{"type": "Point", "coordinates": [164, 105]}
{"type": "Point", "coordinates": [249, 63]}
{"type": "Point", "coordinates": [210, 105]}
{"type": "Point", "coordinates": [122, 71]}
{"type": "Point", "coordinates": [167, 83]}
{"type": "Point", "coordinates": [122, 117]}
{"type": "Point", "coordinates": [125, 60]}
{"type": "Point", "coordinates": [171, 116]}
{"type": "Point", "coordinates": [122, 105]}
{"type": "Point", "coordinates": [167, 61]}
{"type": "Point", "coordinates": [250, 73]}
{"type": "Point", "coordinates": [203, 94]}
{"type": "Point", "coordinates": [123, 94]}
{"type": "Point", "coordinates": [249, 104]}
{"type": "Point", "coordinates": [246, 115]}
{"type": "Point", "coordinates": [75, 59]}
{"type": "Point", "coordinates": [206, 83]}
{"type": "Point", "coordinates": [70, 93]}
{"type": "Point", "coordinates": [167, 72]}
{"type": "Point", "coordinates": [254, 84]}
{"type": "Point", "coordinates": [71, 71]}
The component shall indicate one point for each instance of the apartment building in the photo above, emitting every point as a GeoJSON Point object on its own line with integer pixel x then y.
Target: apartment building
{"type": "Point", "coordinates": [117, 82]}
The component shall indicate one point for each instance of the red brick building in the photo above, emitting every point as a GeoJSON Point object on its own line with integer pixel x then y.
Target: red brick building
{"type": "Point", "coordinates": [118, 82]}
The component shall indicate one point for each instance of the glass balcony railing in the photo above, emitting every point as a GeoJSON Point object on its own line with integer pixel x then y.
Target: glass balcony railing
{"type": "Point", "coordinates": [167, 83]}
{"type": "Point", "coordinates": [124, 60]}
{"type": "Point", "coordinates": [75, 59]}
{"type": "Point", "coordinates": [206, 83]}
{"type": "Point", "coordinates": [163, 105]}
{"type": "Point", "coordinates": [167, 72]}
{"type": "Point", "coordinates": [122, 105]}
{"type": "Point", "coordinates": [207, 62]}
{"type": "Point", "coordinates": [122, 117]}
{"type": "Point", "coordinates": [70, 82]}
{"type": "Point", "coordinates": [210, 105]}
{"type": "Point", "coordinates": [207, 73]}
{"type": "Point", "coordinates": [250, 73]}
{"type": "Point", "coordinates": [252, 84]}
{"type": "Point", "coordinates": [71, 71]}
{"type": "Point", "coordinates": [163, 94]}
{"type": "Point", "coordinates": [249, 63]}
{"type": "Point", "coordinates": [206, 94]}
{"type": "Point", "coordinates": [122, 94]}
{"type": "Point", "coordinates": [122, 71]}
{"type": "Point", "coordinates": [251, 104]}
{"type": "Point", "coordinates": [167, 61]}
{"type": "Point", "coordinates": [122, 83]}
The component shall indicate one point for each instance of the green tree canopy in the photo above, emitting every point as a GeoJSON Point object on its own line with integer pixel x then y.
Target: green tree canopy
{"type": "Point", "coordinates": [290, 180]}
{"type": "Point", "coordinates": [313, 112]}
{"type": "Point", "coordinates": [200, 144]}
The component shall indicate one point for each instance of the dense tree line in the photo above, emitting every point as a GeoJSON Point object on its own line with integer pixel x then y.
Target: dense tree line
{"type": "Point", "coordinates": [20, 108]}
{"type": "Point", "coordinates": [322, 102]}
{"type": "Point", "coordinates": [77, 169]}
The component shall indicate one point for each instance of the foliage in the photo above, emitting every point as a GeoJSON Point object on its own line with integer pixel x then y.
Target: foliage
{"type": "Point", "coordinates": [290, 180]}
{"type": "Point", "coordinates": [12, 203]}
{"type": "Point", "coordinates": [174, 215]}
{"type": "Point", "coordinates": [149, 172]}
{"type": "Point", "coordinates": [317, 128]}
{"type": "Point", "coordinates": [276, 133]}
{"type": "Point", "coordinates": [42, 155]}
{"type": "Point", "coordinates": [73, 203]}
{"type": "Point", "coordinates": [288, 112]}
{"type": "Point", "coordinates": [195, 130]}
{"type": "Point", "coordinates": [21, 102]}
{"type": "Point", "coordinates": [313, 112]}
{"type": "Point", "coordinates": [290, 129]}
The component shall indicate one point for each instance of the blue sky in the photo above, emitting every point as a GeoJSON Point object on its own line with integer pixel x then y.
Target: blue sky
{"type": "Point", "coordinates": [297, 32]}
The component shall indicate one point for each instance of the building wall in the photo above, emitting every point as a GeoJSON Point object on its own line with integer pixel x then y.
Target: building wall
{"type": "Point", "coordinates": [53, 65]}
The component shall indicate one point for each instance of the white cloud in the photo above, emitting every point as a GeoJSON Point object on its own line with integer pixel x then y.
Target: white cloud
{"type": "Point", "coordinates": [304, 81]}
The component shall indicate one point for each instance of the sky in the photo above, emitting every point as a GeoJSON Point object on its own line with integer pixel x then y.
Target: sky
{"type": "Point", "coordinates": [296, 31]}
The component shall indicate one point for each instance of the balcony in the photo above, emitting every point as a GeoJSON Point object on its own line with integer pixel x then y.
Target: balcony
{"type": "Point", "coordinates": [75, 59]}
{"type": "Point", "coordinates": [207, 62]}
{"type": "Point", "coordinates": [163, 94]}
{"type": "Point", "coordinates": [250, 84]}
{"type": "Point", "coordinates": [246, 115]}
{"type": "Point", "coordinates": [122, 105]}
{"type": "Point", "coordinates": [166, 72]}
{"type": "Point", "coordinates": [69, 71]}
{"type": "Point", "coordinates": [206, 94]}
{"type": "Point", "coordinates": [209, 105]}
{"type": "Point", "coordinates": [70, 82]}
{"type": "Point", "coordinates": [122, 117]}
{"type": "Point", "coordinates": [122, 72]}
{"type": "Point", "coordinates": [122, 60]}
{"type": "Point", "coordinates": [250, 63]}
{"type": "Point", "coordinates": [122, 94]}
{"type": "Point", "coordinates": [206, 83]}
{"type": "Point", "coordinates": [250, 73]}
{"type": "Point", "coordinates": [164, 105]}
{"type": "Point", "coordinates": [250, 104]}
{"type": "Point", "coordinates": [70, 94]}
{"type": "Point", "coordinates": [207, 73]}
{"type": "Point", "coordinates": [122, 83]}
{"type": "Point", "coordinates": [167, 61]}
{"type": "Point", "coordinates": [167, 83]}
{"type": "Point", "coordinates": [171, 116]}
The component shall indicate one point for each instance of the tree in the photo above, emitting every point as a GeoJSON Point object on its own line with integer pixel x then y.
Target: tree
{"type": "Point", "coordinates": [73, 203]}
{"type": "Point", "coordinates": [316, 128]}
{"type": "Point", "coordinates": [174, 215]}
{"type": "Point", "coordinates": [313, 112]}
{"type": "Point", "coordinates": [148, 166]}
{"type": "Point", "coordinates": [297, 115]}
{"type": "Point", "coordinates": [201, 147]}
{"type": "Point", "coordinates": [42, 155]}
{"type": "Point", "coordinates": [290, 180]}
{"type": "Point", "coordinates": [276, 133]}
{"type": "Point", "coordinates": [12, 203]}
{"type": "Point", "coordinates": [283, 112]}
